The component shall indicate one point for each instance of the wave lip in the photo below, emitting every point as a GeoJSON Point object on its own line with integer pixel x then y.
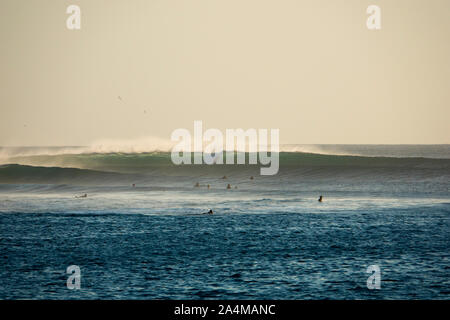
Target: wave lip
{"type": "Point", "coordinates": [16, 173]}
{"type": "Point", "coordinates": [141, 146]}
{"type": "Point", "coordinates": [439, 151]}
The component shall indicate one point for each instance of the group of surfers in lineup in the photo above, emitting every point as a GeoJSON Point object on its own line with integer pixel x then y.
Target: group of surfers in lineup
{"type": "Point", "coordinates": [211, 212]}
{"type": "Point", "coordinates": [198, 185]}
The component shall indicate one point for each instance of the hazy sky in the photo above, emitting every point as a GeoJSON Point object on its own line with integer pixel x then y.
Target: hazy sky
{"type": "Point", "coordinates": [308, 67]}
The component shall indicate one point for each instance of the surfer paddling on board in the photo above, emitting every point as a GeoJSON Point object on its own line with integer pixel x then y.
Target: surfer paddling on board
{"type": "Point", "coordinates": [320, 199]}
{"type": "Point", "coordinates": [82, 196]}
{"type": "Point", "coordinates": [209, 212]}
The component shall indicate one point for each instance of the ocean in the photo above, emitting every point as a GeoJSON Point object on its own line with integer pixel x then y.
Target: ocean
{"type": "Point", "coordinates": [140, 232]}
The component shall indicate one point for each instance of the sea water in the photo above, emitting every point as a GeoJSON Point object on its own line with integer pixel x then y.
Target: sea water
{"type": "Point", "coordinates": [269, 238]}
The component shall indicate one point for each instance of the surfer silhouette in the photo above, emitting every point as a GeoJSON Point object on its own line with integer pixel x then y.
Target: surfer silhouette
{"type": "Point", "coordinates": [209, 212]}
{"type": "Point", "coordinates": [320, 199]}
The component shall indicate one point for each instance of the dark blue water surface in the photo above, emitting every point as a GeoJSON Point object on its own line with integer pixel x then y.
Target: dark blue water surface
{"type": "Point", "coordinates": [320, 255]}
